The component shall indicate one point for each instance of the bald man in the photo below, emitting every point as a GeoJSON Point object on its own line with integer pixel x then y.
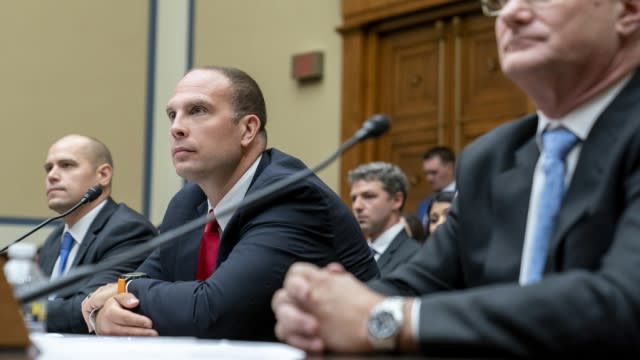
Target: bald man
{"type": "Point", "coordinates": [94, 232]}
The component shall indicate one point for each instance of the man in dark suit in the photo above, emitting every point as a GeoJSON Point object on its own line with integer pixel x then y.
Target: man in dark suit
{"type": "Point", "coordinates": [218, 139]}
{"type": "Point", "coordinates": [540, 252]}
{"type": "Point", "coordinates": [95, 232]}
{"type": "Point", "coordinates": [438, 165]}
{"type": "Point", "coordinates": [378, 193]}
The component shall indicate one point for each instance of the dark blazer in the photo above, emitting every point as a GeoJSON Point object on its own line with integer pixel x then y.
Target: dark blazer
{"type": "Point", "coordinates": [116, 229]}
{"type": "Point", "coordinates": [589, 300]}
{"type": "Point", "coordinates": [306, 221]}
{"type": "Point", "coordinates": [422, 212]}
{"type": "Point", "coordinates": [401, 249]}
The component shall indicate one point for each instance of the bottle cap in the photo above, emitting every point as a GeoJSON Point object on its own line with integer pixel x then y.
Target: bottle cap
{"type": "Point", "coordinates": [22, 251]}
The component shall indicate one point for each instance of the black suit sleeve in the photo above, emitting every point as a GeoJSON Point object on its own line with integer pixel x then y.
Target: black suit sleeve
{"type": "Point", "coordinates": [588, 303]}
{"type": "Point", "coordinates": [257, 248]}
{"type": "Point", "coordinates": [124, 230]}
{"type": "Point", "coordinates": [575, 311]}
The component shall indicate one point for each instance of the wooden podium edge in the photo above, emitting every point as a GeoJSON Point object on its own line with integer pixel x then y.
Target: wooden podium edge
{"type": "Point", "coordinates": [13, 333]}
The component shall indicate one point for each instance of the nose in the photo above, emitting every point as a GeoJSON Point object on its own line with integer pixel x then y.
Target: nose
{"type": "Point", "coordinates": [178, 128]}
{"type": "Point", "coordinates": [356, 205]}
{"type": "Point", "coordinates": [52, 176]}
{"type": "Point", "coordinates": [516, 11]}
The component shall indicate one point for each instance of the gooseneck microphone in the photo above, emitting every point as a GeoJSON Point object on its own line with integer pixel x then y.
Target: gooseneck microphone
{"type": "Point", "coordinates": [88, 197]}
{"type": "Point", "coordinates": [373, 127]}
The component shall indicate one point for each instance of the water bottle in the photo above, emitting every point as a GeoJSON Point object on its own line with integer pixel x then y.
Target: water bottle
{"type": "Point", "coordinates": [22, 272]}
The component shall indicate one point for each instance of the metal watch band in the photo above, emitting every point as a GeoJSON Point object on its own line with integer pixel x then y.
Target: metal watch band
{"type": "Point", "coordinates": [385, 323]}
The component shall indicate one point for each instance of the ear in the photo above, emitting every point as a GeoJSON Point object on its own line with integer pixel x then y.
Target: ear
{"type": "Point", "coordinates": [398, 200]}
{"type": "Point", "coordinates": [104, 172]}
{"type": "Point", "coordinates": [250, 126]}
{"type": "Point", "coordinates": [629, 21]}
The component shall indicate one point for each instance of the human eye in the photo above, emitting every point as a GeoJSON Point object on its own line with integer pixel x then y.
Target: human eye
{"type": "Point", "coordinates": [369, 196]}
{"type": "Point", "coordinates": [171, 114]}
{"type": "Point", "coordinates": [198, 109]}
{"type": "Point", "coordinates": [493, 7]}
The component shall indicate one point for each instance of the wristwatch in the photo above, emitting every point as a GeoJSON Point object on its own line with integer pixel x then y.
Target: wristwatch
{"type": "Point", "coordinates": [385, 323]}
{"type": "Point", "coordinates": [124, 280]}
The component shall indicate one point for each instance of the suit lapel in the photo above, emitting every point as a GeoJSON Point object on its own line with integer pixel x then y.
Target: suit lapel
{"type": "Point", "coordinates": [97, 224]}
{"type": "Point", "coordinates": [510, 194]}
{"type": "Point", "coordinates": [231, 234]}
{"type": "Point", "coordinates": [49, 253]}
{"type": "Point", "coordinates": [594, 157]}
{"type": "Point", "coordinates": [387, 255]}
{"type": "Point", "coordinates": [186, 249]}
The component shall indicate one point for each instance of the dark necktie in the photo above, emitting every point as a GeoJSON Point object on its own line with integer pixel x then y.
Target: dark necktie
{"type": "Point", "coordinates": [373, 251]}
{"type": "Point", "coordinates": [556, 145]}
{"type": "Point", "coordinates": [208, 251]}
{"type": "Point", "coordinates": [65, 249]}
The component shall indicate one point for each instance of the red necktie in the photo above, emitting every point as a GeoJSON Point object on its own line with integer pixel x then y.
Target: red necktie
{"type": "Point", "coordinates": [208, 251]}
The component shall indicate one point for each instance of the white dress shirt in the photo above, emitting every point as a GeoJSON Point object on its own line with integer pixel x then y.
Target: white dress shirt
{"type": "Point", "coordinates": [579, 121]}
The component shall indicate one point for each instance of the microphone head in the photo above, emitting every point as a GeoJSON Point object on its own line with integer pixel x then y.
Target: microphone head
{"type": "Point", "coordinates": [92, 194]}
{"type": "Point", "coordinates": [375, 126]}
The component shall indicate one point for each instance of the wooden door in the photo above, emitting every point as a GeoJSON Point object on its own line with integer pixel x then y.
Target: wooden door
{"type": "Point", "coordinates": [483, 97]}
{"type": "Point", "coordinates": [412, 91]}
{"type": "Point", "coordinates": [441, 84]}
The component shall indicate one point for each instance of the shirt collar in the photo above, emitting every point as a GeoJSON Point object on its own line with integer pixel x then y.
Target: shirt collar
{"type": "Point", "coordinates": [382, 242]}
{"type": "Point", "coordinates": [80, 228]}
{"type": "Point", "coordinates": [450, 187]}
{"type": "Point", "coordinates": [581, 120]}
{"type": "Point", "coordinates": [234, 196]}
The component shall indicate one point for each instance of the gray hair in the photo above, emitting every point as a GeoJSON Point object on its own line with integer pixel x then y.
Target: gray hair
{"type": "Point", "coordinates": [392, 177]}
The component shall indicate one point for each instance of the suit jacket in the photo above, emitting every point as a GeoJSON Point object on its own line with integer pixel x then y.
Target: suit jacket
{"type": "Point", "coordinates": [115, 230]}
{"type": "Point", "coordinates": [401, 249]}
{"type": "Point", "coordinates": [422, 212]}
{"type": "Point", "coordinates": [304, 222]}
{"type": "Point", "coordinates": [589, 300]}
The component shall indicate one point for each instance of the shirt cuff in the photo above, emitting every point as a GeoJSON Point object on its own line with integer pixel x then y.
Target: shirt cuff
{"type": "Point", "coordinates": [92, 319]}
{"type": "Point", "coordinates": [415, 319]}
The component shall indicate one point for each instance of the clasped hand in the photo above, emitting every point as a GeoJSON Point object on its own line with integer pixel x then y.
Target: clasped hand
{"type": "Point", "coordinates": [113, 313]}
{"type": "Point", "coordinates": [323, 309]}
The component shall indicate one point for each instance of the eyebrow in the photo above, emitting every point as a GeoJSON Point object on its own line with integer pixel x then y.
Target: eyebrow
{"type": "Point", "coordinates": [51, 163]}
{"type": "Point", "coordinates": [196, 102]}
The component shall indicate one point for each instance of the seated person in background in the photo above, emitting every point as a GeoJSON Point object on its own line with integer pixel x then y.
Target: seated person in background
{"type": "Point", "coordinates": [439, 209]}
{"type": "Point", "coordinates": [96, 231]}
{"type": "Point", "coordinates": [378, 192]}
{"type": "Point", "coordinates": [540, 253]}
{"type": "Point", "coordinates": [413, 227]}
{"type": "Point", "coordinates": [217, 281]}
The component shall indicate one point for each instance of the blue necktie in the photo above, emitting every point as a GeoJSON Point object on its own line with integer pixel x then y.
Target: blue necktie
{"type": "Point", "coordinates": [556, 145]}
{"type": "Point", "coordinates": [65, 249]}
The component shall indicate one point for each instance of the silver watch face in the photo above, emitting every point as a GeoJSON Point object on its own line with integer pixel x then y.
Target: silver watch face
{"type": "Point", "coordinates": [383, 325]}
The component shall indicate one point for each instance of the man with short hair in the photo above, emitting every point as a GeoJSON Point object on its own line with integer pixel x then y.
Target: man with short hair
{"type": "Point", "coordinates": [540, 252]}
{"type": "Point", "coordinates": [217, 281]}
{"type": "Point", "coordinates": [438, 165]}
{"type": "Point", "coordinates": [96, 231]}
{"type": "Point", "coordinates": [378, 193]}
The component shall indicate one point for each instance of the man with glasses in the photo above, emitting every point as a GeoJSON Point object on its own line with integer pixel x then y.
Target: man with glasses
{"type": "Point", "coordinates": [541, 250]}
